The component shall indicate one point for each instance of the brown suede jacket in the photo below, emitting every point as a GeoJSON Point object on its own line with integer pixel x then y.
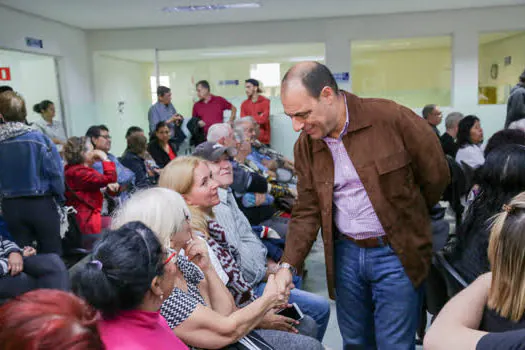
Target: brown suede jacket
{"type": "Point", "coordinates": [403, 169]}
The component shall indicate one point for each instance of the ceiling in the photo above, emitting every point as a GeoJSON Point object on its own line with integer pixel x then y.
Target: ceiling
{"type": "Point", "coordinates": [112, 14]}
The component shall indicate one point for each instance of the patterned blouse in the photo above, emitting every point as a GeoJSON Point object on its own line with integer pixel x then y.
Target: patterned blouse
{"type": "Point", "coordinates": [180, 305]}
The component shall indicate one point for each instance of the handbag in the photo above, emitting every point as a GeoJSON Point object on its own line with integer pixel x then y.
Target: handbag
{"type": "Point", "coordinates": [251, 341]}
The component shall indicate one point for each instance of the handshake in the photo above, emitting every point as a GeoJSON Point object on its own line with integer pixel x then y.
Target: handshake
{"type": "Point", "coordinates": [278, 287]}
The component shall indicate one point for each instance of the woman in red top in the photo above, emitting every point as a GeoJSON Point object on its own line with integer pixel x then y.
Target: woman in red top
{"type": "Point", "coordinates": [161, 147]}
{"type": "Point", "coordinates": [83, 183]}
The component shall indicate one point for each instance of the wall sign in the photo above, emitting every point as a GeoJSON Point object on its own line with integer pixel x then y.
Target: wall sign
{"type": "Point", "coordinates": [33, 42]}
{"type": "Point", "coordinates": [342, 77]}
{"type": "Point", "coordinates": [5, 74]}
{"type": "Point", "coordinates": [228, 82]}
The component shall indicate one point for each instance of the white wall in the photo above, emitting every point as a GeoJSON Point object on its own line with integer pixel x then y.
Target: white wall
{"type": "Point", "coordinates": [463, 25]}
{"type": "Point", "coordinates": [119, 80]}
{"type": "Point", "coordinates": [70, 46]}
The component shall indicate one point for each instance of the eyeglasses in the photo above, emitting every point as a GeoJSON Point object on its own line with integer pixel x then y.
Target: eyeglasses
{"type": "Point", "coordinates": [171, 253]}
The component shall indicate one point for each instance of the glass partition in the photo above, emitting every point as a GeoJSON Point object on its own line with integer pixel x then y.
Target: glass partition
{"type": "Point", "coordinates": [501, 62]}
{"type": "Point", "coordinates": [412, 71]}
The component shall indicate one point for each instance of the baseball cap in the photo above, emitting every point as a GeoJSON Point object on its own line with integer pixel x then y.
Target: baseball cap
{"type": "Point", "coordinates": [212, 151]}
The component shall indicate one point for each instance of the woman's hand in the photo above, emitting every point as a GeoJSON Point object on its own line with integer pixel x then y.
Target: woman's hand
{"type": "Point", "coordinates": [278, 298]}
{"type": "Point", "coordinates": [29, 251]}
{"type": "Point", "coordinates": [15, 263]}
{"type": "Point", "coordinates": [197, 252]}
{"type": "Point", "coordinates": [278, 322]}
{"type": "Point", "coordinates": [95, 156]}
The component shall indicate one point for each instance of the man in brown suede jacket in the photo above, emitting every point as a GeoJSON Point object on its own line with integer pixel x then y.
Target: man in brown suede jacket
{"type": "Point", "coordinates": [368, 172]}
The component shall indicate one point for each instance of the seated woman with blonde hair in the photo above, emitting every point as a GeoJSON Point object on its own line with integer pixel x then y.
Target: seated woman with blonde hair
{"type": "Point", "coordinates": [495, 301]}
{"type": "Point", "coordinates": [191, 177]}
{"type": "Point", "coordinates": [505, 308]}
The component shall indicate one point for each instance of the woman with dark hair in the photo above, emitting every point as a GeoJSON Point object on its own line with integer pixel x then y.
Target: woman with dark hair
{"type": "Point", "coordinates": [470, 138]}
{"type": "Point", "coordinates": [31, 180]}
{"type": "Point", "coordinates": [499, 180]}
{"type": "Point", "coordinates": [48, 319]}
{"type": "Point", "coordinates": [505, 137]}
{"type": "Point", "coordinates": [128, 279]}
{"type": "Point", "coordinates": [134, 160]}
{"type": "Point", "coordinates": [50, 127]}
{"type": "Point", "coordinates": [84, 184]}
{"type": "Point", "coordinates": [161, 147]}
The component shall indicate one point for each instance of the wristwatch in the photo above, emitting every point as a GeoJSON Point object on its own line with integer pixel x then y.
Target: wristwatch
{"type": "Point", "coordinates": [284, 265]}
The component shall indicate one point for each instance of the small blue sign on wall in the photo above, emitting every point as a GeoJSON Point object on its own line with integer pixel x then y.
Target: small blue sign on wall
{"type": "Point", "coordinates": [228, 82]}
{"type": "Point", "coordinates": [342, 77]}
{"type": "Point", "coordinates": [32, 42]}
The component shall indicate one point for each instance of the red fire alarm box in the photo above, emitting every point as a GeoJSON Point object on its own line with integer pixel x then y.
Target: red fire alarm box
{"type": "Point", "coordinates": [5, 74]}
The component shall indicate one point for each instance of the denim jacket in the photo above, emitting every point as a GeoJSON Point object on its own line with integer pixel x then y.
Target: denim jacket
{"type": "Point", "coordinates": [30, 163]}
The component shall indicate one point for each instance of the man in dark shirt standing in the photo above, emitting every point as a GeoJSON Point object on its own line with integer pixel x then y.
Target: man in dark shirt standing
{"type": "Point", "coordinates": [448, 139]}
{"type": "Point", "coordinates": [433, 116]}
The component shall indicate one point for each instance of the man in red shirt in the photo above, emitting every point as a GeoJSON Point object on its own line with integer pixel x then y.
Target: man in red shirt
{"type": "Point", "coordinates": [210, 108]}
{"type": "Point", "coordinates": [258, 107]}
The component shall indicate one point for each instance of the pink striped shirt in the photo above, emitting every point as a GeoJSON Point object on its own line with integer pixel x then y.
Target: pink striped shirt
{"type": "Point", "coordinates": [353, 212]}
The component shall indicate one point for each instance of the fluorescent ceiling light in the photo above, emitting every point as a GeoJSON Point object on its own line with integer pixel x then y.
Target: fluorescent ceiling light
{"type": "Point", "coordinates": [233, 53]}
{"type": "Point", "coordinates": [306, 58]}
{"type": "Point", "coordinates": [212, 7]}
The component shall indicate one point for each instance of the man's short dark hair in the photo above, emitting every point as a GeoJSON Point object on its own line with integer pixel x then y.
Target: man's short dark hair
{"type": "Point", "coordinates": [95, 130]}
{"type": "Point", "coordinates": [316, 79]}
{"type": "Point", "coordinates": [162, 90]}
{"type": "Point", "coordinates": [132, 130]}
{"type": "Point", "coordinates": [204, 84]}
{"type": "Point", "coordinates": [427, 110]}
{"type": "Point", "coordinates": [5, 88]}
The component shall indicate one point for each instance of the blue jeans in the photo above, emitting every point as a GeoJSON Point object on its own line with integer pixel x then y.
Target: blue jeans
{"type": "Point", "coordinates": [377, 305]}
{"type": "Point", "coordinates": [310, 304]}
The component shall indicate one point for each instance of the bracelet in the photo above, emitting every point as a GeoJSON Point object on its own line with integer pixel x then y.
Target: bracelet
{"type": "Point", "coordinates": [284, 265]}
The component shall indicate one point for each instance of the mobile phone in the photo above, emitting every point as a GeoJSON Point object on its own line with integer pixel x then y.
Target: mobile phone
{"type": "Point", "coordinates": [292, 312]}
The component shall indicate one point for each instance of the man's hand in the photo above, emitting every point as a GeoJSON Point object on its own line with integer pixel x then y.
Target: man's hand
{"type": "Point", "coordinates": [29, 251]}
{"type": "Point", "coordinates": [260, 198]}
{"type": "Point", "coordinates": [15, 263]}
{"type": "Point", "coordinates": [278, 322]}
{"type": "Point", "coordinates": [270, 164]}
{"type": "Point", "coordinates": [176, 118]}
{"type": "Point", "coordinates": [201, 123]}
{"type": "Point", "coordinates": [114, 187]}
{"type": "Point", "coordinates": [284, 278]}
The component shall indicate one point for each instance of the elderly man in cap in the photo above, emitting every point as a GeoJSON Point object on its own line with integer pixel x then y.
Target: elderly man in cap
{"type": "Point", "coordinates": [258, 107]}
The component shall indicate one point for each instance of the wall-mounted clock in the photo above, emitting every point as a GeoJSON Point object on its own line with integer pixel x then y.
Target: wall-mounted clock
{"type": "Point", "coordinates": [494, 71]}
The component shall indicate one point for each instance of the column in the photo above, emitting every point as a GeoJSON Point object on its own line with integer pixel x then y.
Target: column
{"type": "Point", "coordinates": [337, 59]}
{"type": "Point", "coordinates": [464, 68]}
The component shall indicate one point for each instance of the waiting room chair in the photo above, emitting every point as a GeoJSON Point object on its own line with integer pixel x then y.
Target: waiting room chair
{"type": "Point", "coordinates": [453, 281]}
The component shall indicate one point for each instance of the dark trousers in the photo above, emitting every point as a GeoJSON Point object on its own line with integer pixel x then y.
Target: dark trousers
{"type": "Point", "coordinates": [40, 271]}
{"type": "Point", "coordinates": [34, 219]}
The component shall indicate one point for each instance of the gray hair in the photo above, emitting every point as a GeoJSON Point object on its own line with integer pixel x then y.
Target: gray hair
{"type": "Point", "coordinates": [163, 210]}
{"type": "Point", "coordinates": [452, 119]}
{"type": "Point", "coordinates": [241, 121]}
{"type": "Point", "coordinates": [218, 131]}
